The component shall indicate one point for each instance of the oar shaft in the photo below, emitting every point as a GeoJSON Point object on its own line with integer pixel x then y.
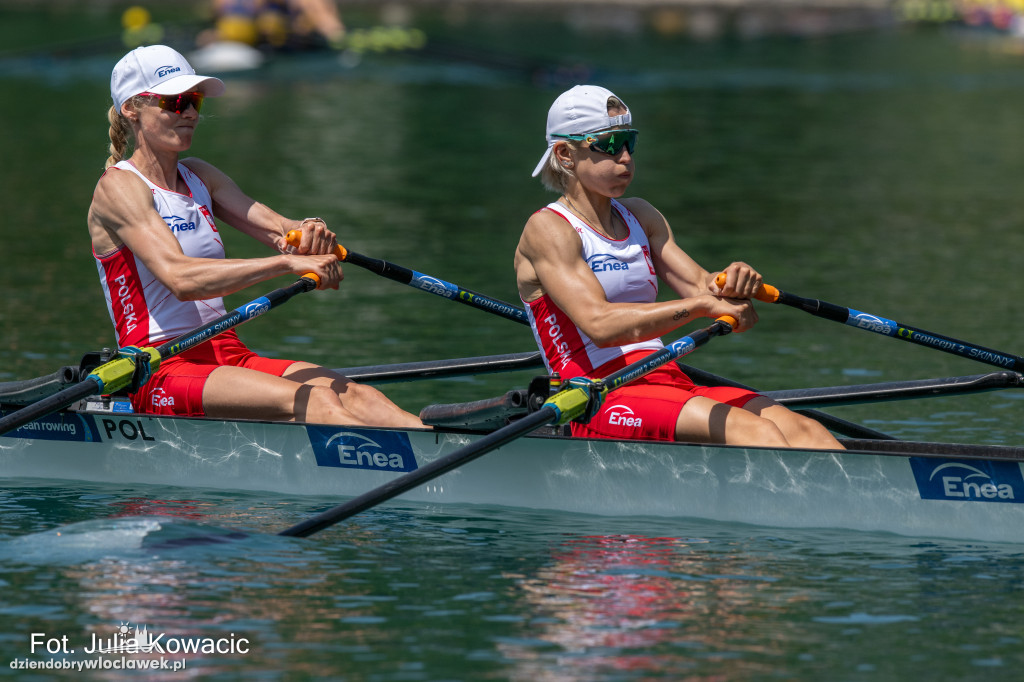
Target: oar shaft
{"type": "Point", "coordinates": [87, 387]}
{"type": "Point", "coordinates": [672, 351]}
{"type": "Point", "coordinates": [897, 390]}
{"type": "Point", "coordinates": [887, 327]}
{"type": "Point", "coordinates": [434, 369]}
{"type": "Point", "coordinates": [904, 332]}
{"type": "Point", "coordinates": [249, 311]}
{"type": "Point", "coordinates": [427, 283]}
{"type": "Point", "coordinates": [438, 467]}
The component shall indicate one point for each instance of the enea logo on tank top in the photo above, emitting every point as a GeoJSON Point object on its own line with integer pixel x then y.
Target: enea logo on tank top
{"type": "Point", "coordinates": [605, 262]}
{"type": "Point", "coordinates": [178, 224]}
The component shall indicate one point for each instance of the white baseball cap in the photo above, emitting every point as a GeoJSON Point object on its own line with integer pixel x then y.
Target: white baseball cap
{"type": "Point", "coordinates": [581, 109]}
{"type": "Point", "coordinates": [160, 70]}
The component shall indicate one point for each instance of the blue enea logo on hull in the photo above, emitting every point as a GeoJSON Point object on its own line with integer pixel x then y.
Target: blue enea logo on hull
{"type": "Point", "coordinates": [67, 426]}
{"type": "Point", "coordinates": [968, 480]}
{"type": "Point", "coordinates": [359, 449]}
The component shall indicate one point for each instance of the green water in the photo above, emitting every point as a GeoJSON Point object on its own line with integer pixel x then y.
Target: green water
{"type": "Point", "coordinates": [878, 171]}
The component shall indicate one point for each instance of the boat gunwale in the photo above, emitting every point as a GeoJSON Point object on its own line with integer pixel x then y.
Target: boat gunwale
{"type": "Point", "coordinates": [854, 446]}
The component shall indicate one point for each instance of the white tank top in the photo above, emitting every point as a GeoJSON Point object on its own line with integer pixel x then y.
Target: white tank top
{"type": "Point", "coordinates": [143, 310]}
{"type": "Point", "coordinates": [626, 272]}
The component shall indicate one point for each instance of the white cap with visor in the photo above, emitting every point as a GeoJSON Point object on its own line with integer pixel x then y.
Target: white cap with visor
{"type": "Point", "coordinates": [581, 109]}
{"type": "Point", "coordinates": [160, 70]}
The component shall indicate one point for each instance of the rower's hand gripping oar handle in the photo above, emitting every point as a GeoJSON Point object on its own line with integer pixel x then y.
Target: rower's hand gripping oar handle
{"type": "Point", "coordinates": [766, 293]}
{"type": "Point", "coordinates": [294, 238]}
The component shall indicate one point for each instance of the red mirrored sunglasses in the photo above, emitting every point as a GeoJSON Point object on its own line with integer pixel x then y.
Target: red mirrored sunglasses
{"type": "Point", "coordinates": [177, 103]}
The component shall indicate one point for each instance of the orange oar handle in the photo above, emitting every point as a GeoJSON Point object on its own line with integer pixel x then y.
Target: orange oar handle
{"type": "Point", "coordinates": [729, 320]}
{"type": "Point", "coordinates": [766, 293]}
{"type": "Point", "coordinates": [294, 238]}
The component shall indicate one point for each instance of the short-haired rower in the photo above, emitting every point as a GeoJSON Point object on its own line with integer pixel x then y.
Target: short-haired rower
{"type": "Point", "coordinates": [588, 267]}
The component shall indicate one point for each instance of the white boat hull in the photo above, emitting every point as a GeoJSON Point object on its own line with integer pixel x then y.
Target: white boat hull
{"type": "Point", "coordinates": [979, 499]}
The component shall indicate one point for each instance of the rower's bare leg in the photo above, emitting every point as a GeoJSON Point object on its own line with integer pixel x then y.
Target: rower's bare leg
{"type": "Point", "coordinates": [365, 403]}
{"type": "Point", "coordinates": [328, 398]}
{"type": "Point", "coordinates": [703, 420]}
{"type": "Point", "coordinates": [800, 431]}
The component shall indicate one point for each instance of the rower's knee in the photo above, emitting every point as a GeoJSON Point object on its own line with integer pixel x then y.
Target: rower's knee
{"type": "Point", "coordinates": [763, 432]}
{"type": "Point", "coordinates": [324, 406]}
{"type": "Point", "coordinates": [808, 433]}
{"type": "Point", "coordinates": [357, 404]}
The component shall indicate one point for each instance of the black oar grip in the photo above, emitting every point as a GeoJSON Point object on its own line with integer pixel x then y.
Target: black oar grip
{"type": "Point", "coordinates": [829, 311]}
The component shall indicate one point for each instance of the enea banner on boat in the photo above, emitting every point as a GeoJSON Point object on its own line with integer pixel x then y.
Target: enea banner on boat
{"type": "Point", "coordinates": [351, 448]}
{"type": "Point", "coordinates": [968, 480]}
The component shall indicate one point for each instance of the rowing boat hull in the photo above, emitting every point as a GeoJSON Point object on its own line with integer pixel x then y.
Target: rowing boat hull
{"type": "Point", "coordinates": [931, 491]}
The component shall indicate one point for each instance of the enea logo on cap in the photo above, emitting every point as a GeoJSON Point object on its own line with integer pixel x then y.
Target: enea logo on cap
{"type": "Point", "coordinates": [968, 480]}
{"type": "Point", "coordinates": [165, 71]}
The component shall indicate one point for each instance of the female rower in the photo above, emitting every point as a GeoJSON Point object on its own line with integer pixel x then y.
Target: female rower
{"type": "Point", "coordinates": [588, 266]}
{"type": "Point", "coordinates": [163, 270]}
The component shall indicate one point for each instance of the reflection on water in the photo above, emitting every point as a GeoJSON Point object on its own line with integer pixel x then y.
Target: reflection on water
{"type": "Point", "coordinates": [640, 604]}
{"type": "Point", "coordinates": [414, 592]}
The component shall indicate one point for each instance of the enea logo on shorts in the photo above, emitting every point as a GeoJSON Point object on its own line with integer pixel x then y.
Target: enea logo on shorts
{"type": "Point", "coordinates": [359, 449]}
{"type": "Point", "coordinates": [605, 262]}
{"type": "Point", "coordinates": [179, 224]}
{"type": "Point", "coordinates": [968, 480]}
{"type": "Point", "coordinates": [622, 415]}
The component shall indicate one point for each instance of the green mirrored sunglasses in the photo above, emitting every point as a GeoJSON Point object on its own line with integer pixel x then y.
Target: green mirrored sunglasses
{"type": "Point", "coordinates": [610, 142]}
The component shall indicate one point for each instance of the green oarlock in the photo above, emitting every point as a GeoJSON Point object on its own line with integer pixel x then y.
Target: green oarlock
{"type": "Point", "coordinates": [570, 404]}
{"type": "Point", "coordinates": [117, 374]}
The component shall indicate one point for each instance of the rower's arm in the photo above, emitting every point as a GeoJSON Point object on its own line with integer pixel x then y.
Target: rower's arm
{"type": "Point", "coordinates": [122, 213]}
{"type": "Point", "coordinates": [551, 249]}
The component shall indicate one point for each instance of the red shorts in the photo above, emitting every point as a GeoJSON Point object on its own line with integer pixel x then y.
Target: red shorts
{"type": "Point", "coordinates": [177, 385]}
{"type": "Point", "coordinates": [648, 408]}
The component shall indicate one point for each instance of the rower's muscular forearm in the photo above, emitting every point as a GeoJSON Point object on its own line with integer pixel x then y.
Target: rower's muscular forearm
{"type": "Point", "coordinates": [200, 278]}
{"type": "Point", "coordinates": [622, 323]}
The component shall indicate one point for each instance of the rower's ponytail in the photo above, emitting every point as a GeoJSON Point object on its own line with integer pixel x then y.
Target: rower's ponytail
{"type": "Point", "coordinates": [119, 132]}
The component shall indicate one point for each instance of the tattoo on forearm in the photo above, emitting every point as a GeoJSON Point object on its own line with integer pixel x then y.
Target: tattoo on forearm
{"type": "Point", "coordinates": [680, 314]}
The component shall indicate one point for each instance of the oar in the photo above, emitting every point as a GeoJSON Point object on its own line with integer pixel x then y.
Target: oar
{"type": "Point", "coordinates": [118, 373]}
{"type": "Point", "coordinates": [833, 423]}
{"type": "Point", "coordinates": [431, 285]}
{"type": "Point", "coordinates": [435, 369]}
{"type": "Point", "coordinates": [445, 289]}
{"type": "Point", "coordinates": [857, 394]}
{"type": "Point", "coordinates": [564, 406]}
{"type": "Point", "coordinates": [886, 327]}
